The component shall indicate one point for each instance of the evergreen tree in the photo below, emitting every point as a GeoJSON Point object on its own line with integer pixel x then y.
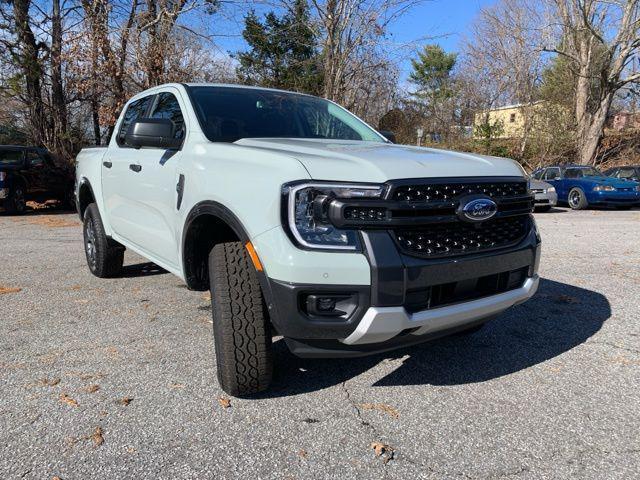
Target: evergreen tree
{"type": "Point", "coordinates": [283, 51]}
{"type": "Point", "coordinates": [432, 73]}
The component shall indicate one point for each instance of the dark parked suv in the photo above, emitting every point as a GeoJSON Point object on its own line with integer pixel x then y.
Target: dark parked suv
{"type": "Point", "coordinates": [29, 173]}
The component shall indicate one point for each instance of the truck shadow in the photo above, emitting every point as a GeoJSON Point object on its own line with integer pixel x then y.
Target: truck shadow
{"type": "Point", "coordinates": [145, 269]}
{"type": "Point", "coordinates": [558, 318]}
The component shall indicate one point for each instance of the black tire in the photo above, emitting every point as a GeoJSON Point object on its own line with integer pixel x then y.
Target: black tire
{"type": "Point", "coordinates": [240, 322]}
{"type": "Point", "coordinates": [577, 199]}
{"type": "Point", "coordinates": [104, 255]}
{"type": "Point", "coordinates": [16, 203]}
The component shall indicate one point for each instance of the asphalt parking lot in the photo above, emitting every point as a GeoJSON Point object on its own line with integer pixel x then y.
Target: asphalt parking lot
{"type": "Point", "coordinates": [115, 378]}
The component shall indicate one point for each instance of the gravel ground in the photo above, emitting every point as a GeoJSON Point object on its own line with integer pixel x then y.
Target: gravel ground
{"type": "Point", "coordinates": [115, 378]}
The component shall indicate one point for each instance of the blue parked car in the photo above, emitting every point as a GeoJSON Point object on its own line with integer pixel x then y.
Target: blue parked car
{"type": "Point", "coordinates": [581, 186]}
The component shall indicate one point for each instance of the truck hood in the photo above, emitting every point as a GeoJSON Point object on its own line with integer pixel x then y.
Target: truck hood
{"type": "Point", "coordinates": [356, 161]}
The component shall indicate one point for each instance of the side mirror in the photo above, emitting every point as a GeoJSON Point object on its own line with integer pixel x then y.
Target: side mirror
{"type": "Point", "coordinates": [152, 132]}
{"type": "Point", "coordinates": [388, 135]}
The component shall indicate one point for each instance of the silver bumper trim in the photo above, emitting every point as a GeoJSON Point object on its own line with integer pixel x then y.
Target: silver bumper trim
{"type": "Point", "coordinates": [383, 323]}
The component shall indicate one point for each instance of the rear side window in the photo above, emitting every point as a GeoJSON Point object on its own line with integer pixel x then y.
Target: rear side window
{"type": "Point", "coordinates": [134, 111]}
{"type": "Point", "coordinates": [10, 158]}
{"type": "Point", "coordinates": [573, 173]}
{"type": "Point", "coordinates": [627, 173]}
{"type": "Point", "coordinates": [34, 159]}
{"type": "Point", "coordinates": [167, 106]}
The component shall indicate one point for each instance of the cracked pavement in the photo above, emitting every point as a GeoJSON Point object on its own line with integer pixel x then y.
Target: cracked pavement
{"type": "Point", "coordinates": [115, 378]}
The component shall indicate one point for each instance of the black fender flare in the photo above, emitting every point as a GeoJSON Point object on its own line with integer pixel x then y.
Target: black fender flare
{"type": "Point", "coordinates": [210, 207]}
{"type": "Point", "coordinates": [84, 182]}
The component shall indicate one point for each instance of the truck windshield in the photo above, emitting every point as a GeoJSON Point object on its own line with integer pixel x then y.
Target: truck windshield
{"type": "Point", "coordinates": [228, 114]}
{"type": "Point", "coordinates": [10, 158]}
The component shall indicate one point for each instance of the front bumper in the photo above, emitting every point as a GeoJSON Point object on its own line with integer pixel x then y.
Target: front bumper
{"type": "Point", "coordinates": [387, 313]}
{"type": "Point", "coordinates": [546, 199]}
{"type": "Point", "coordinates": [380, 324]}
{"type": "Point", "coordinates": [614, 198]}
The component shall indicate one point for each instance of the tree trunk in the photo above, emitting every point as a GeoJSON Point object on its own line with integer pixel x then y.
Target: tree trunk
{"type": "Point", "coordinates": [594, 131]}
{"type": "Point", "coordinates": [31, 67]}
{"type": "Point", "coordinates": [61, 145]}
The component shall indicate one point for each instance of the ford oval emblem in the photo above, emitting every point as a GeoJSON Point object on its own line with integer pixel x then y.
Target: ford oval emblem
{"type": "Point", "coordinates": [477, 209]}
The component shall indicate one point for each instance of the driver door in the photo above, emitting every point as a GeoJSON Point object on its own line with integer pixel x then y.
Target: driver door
{"type": "Point", "coordinates": [553, 177]}
{"type": "Point", "coordinates": [141, 194]}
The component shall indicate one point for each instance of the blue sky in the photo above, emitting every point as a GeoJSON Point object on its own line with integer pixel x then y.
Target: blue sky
{"type": "Point", "coordinates": [446, 20]}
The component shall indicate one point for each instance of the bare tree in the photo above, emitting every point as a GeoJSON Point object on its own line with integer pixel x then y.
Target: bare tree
{"type": "Point", "coordinates": [600, 38]}
{"type": "Point", "coordinates": [502, 60]}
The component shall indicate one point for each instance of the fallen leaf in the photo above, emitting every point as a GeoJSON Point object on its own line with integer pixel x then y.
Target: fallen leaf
{"type": "Point", "coordinates": [177, 385]}
{"type": "Point", "coordinates": [566, 299]}
{"type": "Point", "coordinates": [125, 401]}
{"type": "Point", "coordinates": [302, 453]}
{"type": "Point", "coordinates": [52, 222]}
{"type": "Point", "coordinates": [380, 448]}
{"type": "Point", "coordinates": [381, 407]}
{"type": "Point", "coordinates": [68, 400]}
{"type": "Point", "coordinates": [76, 287]}
{"type": "Point", "coordinates": [91, 389]}
{"type": "Point", "coordinates": [224, 402]}
{"type": "Point", "coordinates": [97, 437]}
{"type": "Point", "coordinates": [46, 382]}
{"type": "Point", "coordinates": [4, 290]}
{"type": "Point", "coordinates": [56, 478]}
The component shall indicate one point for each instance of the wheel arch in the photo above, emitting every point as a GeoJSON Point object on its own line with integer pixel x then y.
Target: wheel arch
{"type": "Point", "coordinates": [85, 197]}
{"type": "Point", "coordinates": [208, 223]}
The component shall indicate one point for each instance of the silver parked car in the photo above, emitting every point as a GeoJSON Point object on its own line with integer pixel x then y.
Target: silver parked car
{"type": "Point", "coordinates": [545, 195]}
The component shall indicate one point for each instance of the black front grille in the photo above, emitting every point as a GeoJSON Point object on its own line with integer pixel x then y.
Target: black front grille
{"type": "Point", "coordinates": [464, 290]}
{"type": "Point", "coordinates": [448, 191]}
{"type": "Point", "coordinates": [461, 238]}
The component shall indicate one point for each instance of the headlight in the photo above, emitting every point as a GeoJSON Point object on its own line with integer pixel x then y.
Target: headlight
{"type": "Point", "coordinates": [603, 188]}
{"type": "Point", "coordinates": [307, 218]}
{"type": "Point", "coordinates": [551, 190]}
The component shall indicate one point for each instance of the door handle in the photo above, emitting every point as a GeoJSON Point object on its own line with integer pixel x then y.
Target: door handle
{"type": "Point", "coordinates": [107, 164]}
{"type": "Point", "coordinates": [135, 167]}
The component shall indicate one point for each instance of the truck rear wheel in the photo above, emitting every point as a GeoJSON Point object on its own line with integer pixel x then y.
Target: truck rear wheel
{"type": "Point", "coordinates": [16, 203]}
{"type": "Point", "coordinates": [240, 322]}
{"type": "Point", "coordinates": [104, 255]}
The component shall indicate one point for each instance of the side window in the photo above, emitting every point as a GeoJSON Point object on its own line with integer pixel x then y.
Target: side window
{"type": "Point", "coordinates": [134, 111]}
{"type": "Point", "coordinates": [34, 159]}
{"type": "Point", "coordinates": [538, 174]}
{"type": "Point", "coordinates": [552, 174]}
{"type": "Point", "coordinates": [167, 106]}
{"type": "Point", "coordinates": [626, 173]}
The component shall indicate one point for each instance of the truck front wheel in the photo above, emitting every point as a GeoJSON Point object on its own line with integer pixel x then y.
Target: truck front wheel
{"type": "Point", "coordinates": [104, 255]}
{"type": "Point", "coordinates": [240, 322]}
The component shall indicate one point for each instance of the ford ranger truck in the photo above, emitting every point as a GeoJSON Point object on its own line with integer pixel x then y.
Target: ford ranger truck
{"type": "Point", "coordinates": [305, 223]}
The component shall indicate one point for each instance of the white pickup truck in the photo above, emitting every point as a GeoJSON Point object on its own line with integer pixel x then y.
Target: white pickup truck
{"type": "Point", "coordinates": [305, 222]}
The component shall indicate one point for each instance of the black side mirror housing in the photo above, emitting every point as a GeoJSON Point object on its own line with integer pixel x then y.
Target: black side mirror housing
{"type": "Point", "coordinates": [389, 135]}
{"type": "Point", "coordinates": [152, 132]}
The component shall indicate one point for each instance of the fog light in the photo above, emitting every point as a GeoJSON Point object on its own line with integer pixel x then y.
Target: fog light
{"type": "Point", "coordinates": [326, 304]}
